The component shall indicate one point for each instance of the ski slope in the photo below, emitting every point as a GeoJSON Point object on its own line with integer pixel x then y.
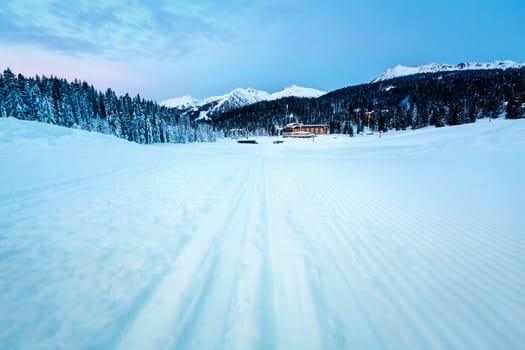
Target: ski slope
{"type": "Point", "coordinates": [411, 241]}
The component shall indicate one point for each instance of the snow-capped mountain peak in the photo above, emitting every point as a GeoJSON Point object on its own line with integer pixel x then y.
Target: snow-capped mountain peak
{"type": "Point", "coordinates": [182, 102]}
{"type": "Point", "coordinates": [236, 98]}
{"type": "Point", "coordinates": [297, 91]}
{"type": "Point", "coordinates": [240, 95]}
{"type": "Point", "coordinates": [400, 70]}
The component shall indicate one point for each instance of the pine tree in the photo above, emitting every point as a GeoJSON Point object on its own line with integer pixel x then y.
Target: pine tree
{"type": "Point", "coordinates": [14, 105]}
{"type": "Point", "coordinates": [514, 108]}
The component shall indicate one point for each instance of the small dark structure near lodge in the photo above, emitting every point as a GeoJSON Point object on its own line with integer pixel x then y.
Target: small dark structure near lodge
{"type": "Point", "coordinates": [247, 141]}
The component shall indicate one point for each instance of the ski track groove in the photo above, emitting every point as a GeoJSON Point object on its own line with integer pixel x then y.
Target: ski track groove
{"type": "Point", "coordinates": [138, 304]}
{"type": "Point", "coordinates": [250, 316]}
{"type": "Point", "coordinates": [183, 305]}
{"type": "Point", "coordinates": [314, 284]}
{"type": "Point", "coordinates": [307, 262]}
{"type": "Point", "coordinates": [266, 317]}
{"type": "Point", "coordinates": [323, 264]}
{"type": "Point", "coordinates": [125, 317]}
{"type": "Point", "coordinates": [306, 189]}
{"type": "Point", "coordinates": [223, 269]}
{"type": "Point", "coordinates": [291, 289]}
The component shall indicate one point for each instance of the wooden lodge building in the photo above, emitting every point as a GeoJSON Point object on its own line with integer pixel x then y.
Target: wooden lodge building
{"type": "Point", "coordinates": [304, 129]}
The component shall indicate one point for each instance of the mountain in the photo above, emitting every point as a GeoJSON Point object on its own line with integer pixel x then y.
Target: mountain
{"type": "Point", "coordinates": [234, 99]}
{"type": "Point", "coordinates": [215, 105]}
{"type": "Point", "coordinates": [400, 70]}
{"type": "Point", "coordinates": [181, 102]}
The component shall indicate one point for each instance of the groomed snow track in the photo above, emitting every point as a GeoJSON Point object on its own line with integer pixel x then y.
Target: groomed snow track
{"type": "Point", "coordinates": [413, 241]}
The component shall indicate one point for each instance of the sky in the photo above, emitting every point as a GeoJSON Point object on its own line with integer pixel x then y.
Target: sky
{"type": "Point", "coordinates": [163, 49]}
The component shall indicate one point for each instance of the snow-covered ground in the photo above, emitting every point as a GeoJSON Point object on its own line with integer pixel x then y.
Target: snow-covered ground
{"type": "Point", "coordinates": [412, 241]}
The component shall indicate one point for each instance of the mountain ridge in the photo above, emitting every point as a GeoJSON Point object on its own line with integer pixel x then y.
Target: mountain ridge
{"type": "Point", "coordinates": [236, 98]}
{"type": "Point", "coordinates": [401, 70]}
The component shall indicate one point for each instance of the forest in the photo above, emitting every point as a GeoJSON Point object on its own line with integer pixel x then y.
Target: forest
{"type": "Point", "coordinates": [80, 105]}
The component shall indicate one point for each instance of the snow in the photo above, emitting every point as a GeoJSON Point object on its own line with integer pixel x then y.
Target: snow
{"type": "Point", "coordinates": [249, 95]}
{"type": "Point", "coordinates": [181, 102]}
{"type": "Point", "coordinates": [294, 90]}
{"type": "Point", "coordinates": [203, 115]}
{"type": "Point", "coordinates": [409, 241]}
{"type": "Point", "coordinates": [400, 70]}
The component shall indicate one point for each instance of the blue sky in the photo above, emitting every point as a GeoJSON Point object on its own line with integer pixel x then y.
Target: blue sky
{"type": "Point", "coordinates": [161, 49]}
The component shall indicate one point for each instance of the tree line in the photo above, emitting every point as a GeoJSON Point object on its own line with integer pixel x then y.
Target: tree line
{"type": "Point", "coordinates": [416, 101]}
{"type": "Point", "coordinates": [80, 105]}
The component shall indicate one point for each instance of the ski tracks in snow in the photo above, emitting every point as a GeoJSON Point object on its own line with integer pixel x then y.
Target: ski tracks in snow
{"type": "Point", "coordinates": [212, 290]}
{"type": "Point", "coordinates": [307, 260]}
{"type": "Point", "coordinates": [275, 248]}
